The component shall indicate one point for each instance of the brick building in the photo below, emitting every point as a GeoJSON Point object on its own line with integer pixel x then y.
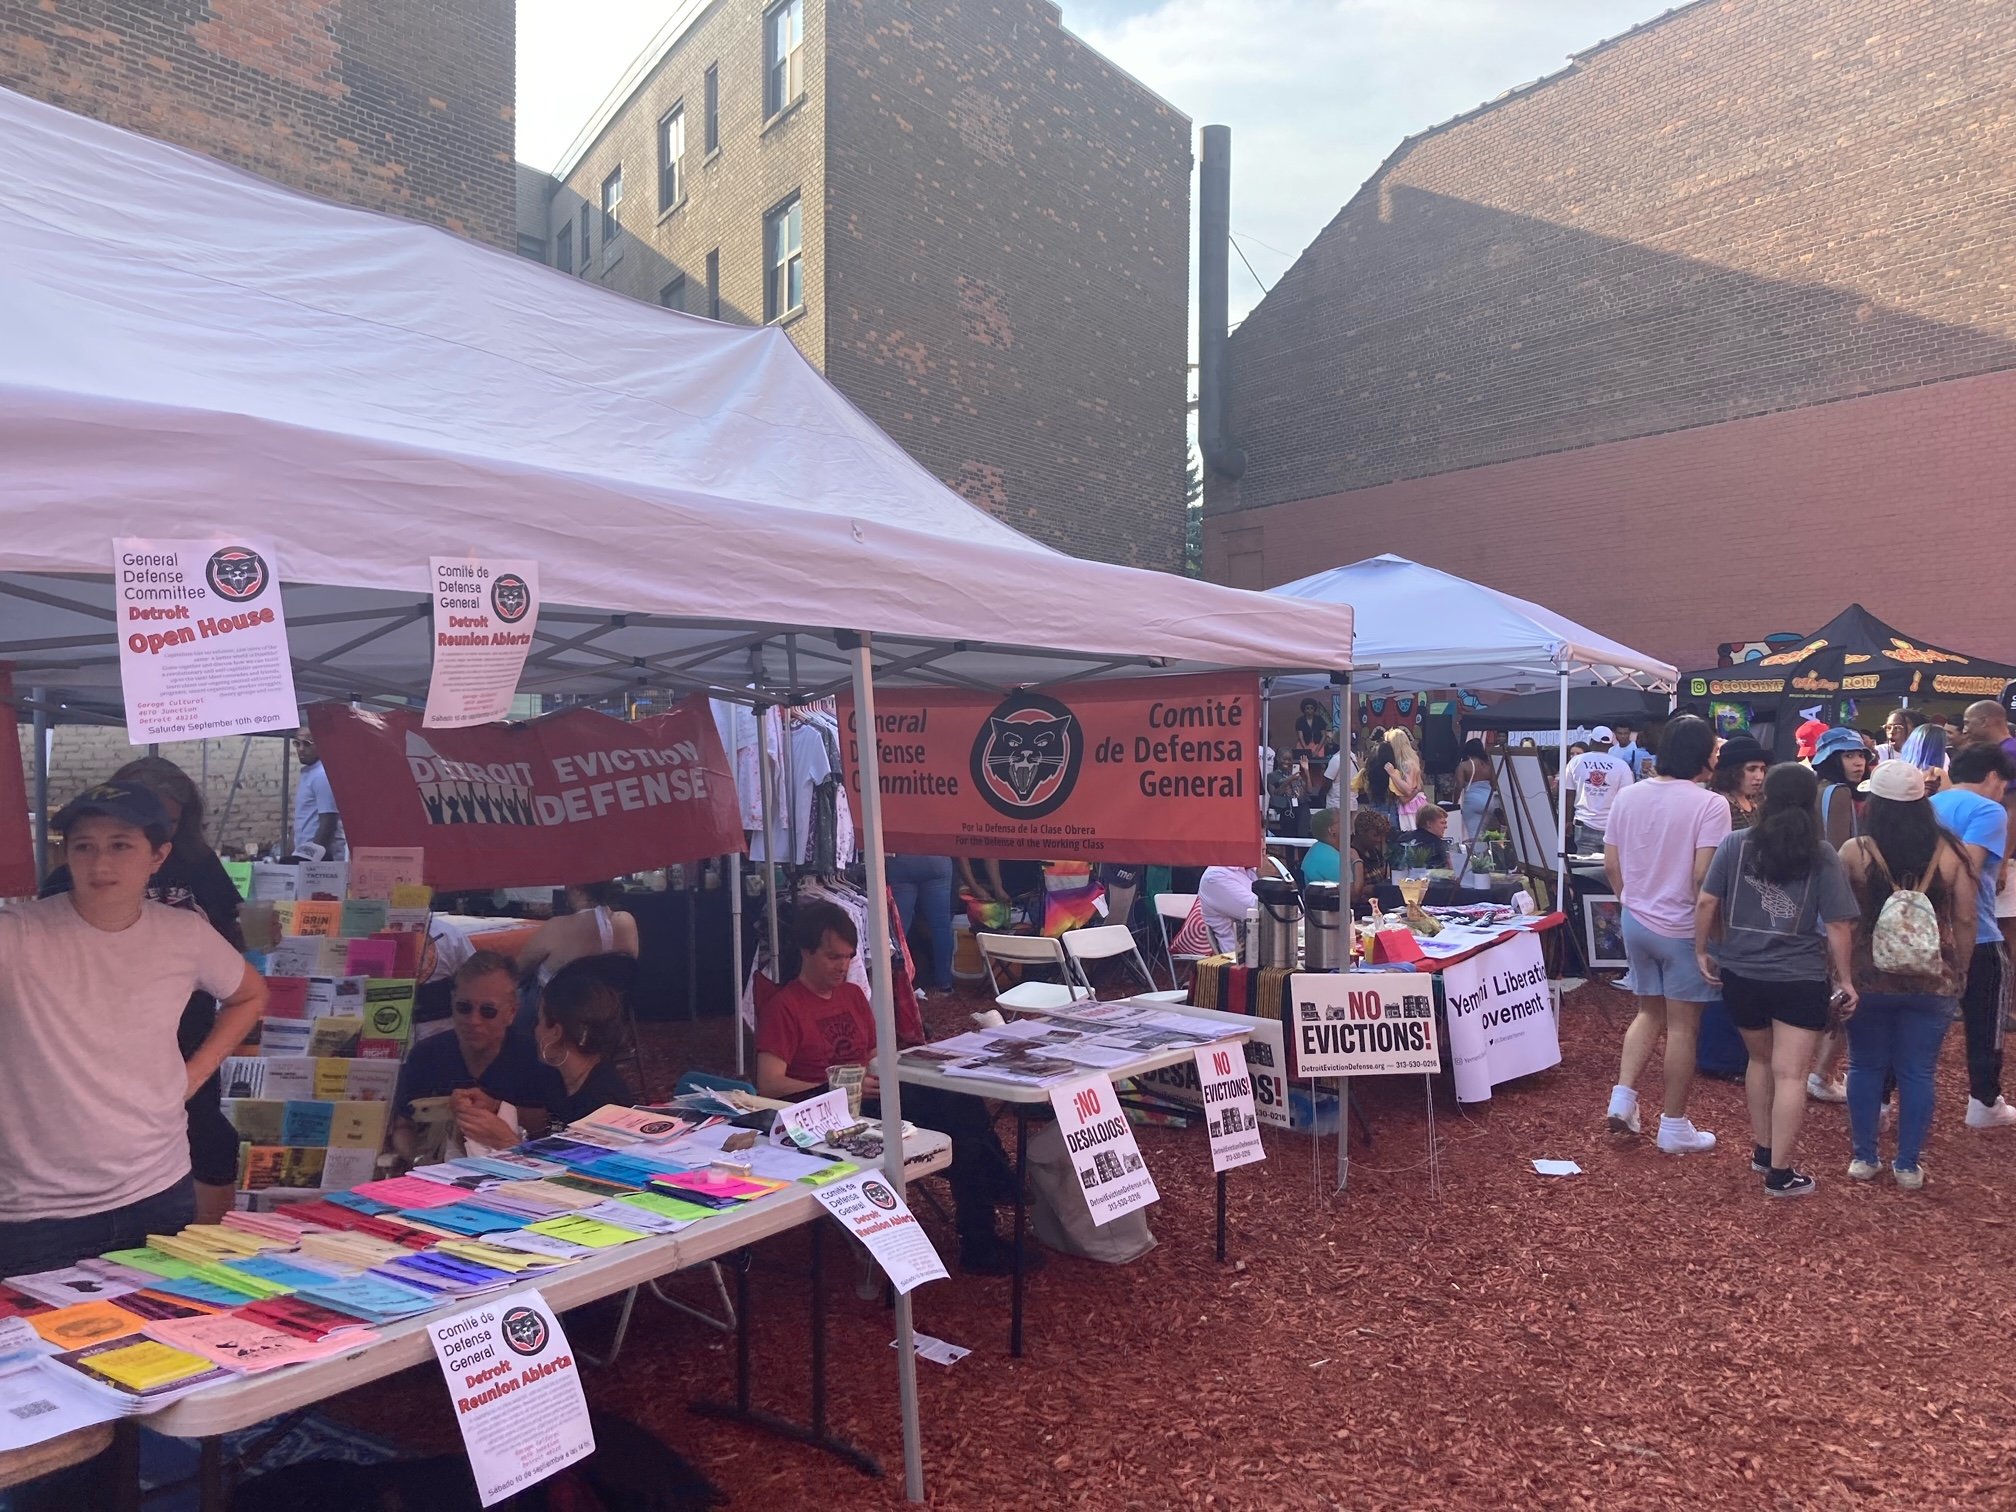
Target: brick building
{"type": "Point", "coordinates": [970, 221]}
{"type": "Point", "coordinates": [1697, 340]}
{"type": "Point", "coordinates": [405, 106]}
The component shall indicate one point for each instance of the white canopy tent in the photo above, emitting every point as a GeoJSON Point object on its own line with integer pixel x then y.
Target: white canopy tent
{"type": "Point", "coordinates": [1418, 629]}
{"type": "Point", "coordinates": [191, 352]}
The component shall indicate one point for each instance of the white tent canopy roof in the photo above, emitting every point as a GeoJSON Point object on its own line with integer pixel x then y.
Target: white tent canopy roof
{"type": "Point", "coordinates": [1420, 629]}
{"type": "Point", "coordinates": [194, 352]}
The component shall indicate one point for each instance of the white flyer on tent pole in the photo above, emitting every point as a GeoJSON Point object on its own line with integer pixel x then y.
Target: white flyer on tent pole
{"type": "Point", "coordinates": [874, 1212]}
{"type": "Point", "coordinates": [516, 1389]}
{"type": "Point", "coordinates": [1104, 1156]}
{"type": "Point", "coordinates": [202, 639]}
{"type": "Point", "coordinates": [1228, 1107]}
{"type": "Point", "coordinates": [484, 611]}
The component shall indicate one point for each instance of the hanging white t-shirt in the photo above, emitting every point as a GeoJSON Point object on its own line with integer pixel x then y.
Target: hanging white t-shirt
{"type": "Point", "coordinates": [92, 1081]}
{"type": "Point", "coordinates": [1596, 778]}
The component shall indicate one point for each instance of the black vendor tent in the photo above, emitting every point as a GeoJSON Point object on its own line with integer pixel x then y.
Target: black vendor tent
{"type": "Point", "coordinates": [1586, 707]}
{"type": "Point", "coordinates": [1854, 656]}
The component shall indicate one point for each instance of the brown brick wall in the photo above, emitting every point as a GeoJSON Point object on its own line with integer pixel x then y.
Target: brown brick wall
{"type": "Point", "coordinates": [1008, 267]}
{"type": "Point", "coordinates": [404, 106]}
{"type": "Point", "coordinates": [762, 162]}
{"type": "Point", "coordinates": [1677, 542]}
{"type": "Point", "coordinates": [1748, 207]}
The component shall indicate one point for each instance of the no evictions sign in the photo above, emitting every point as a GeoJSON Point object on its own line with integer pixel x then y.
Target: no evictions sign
{"type": "Point", "coordinates": [1368, 1023]}
{"type": "Point", "coordinates": [1162, 769]}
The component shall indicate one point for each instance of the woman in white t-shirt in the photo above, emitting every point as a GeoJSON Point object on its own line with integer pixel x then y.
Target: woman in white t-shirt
{"type": "Point", "coordinates": [1661, 835]}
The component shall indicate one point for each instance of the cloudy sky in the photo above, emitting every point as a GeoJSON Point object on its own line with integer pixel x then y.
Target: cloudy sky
{"type": "Point", "coordinates": [1317, 92]}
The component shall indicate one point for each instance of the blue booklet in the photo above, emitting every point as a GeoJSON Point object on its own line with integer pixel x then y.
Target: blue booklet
{"type": "Point", "coordinates": [371, 1297]}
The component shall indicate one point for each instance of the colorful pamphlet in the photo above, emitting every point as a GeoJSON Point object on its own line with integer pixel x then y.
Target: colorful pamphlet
{"type": "Point", "coordinates": [590, 1232]}
{"type": "Point", "coordinates": [335, 1035]}
{"type": "Point", "coordinates": [70, 1283]}
{"type": "Point", "coordinates": [376, 870]}
{"type": "Point", "coordinates": [321, 917]}
{"type": "Point", "coordinates": [143, 1368]}
{"type": "Point", "coordinates": [239, 1343]}
{"type": "Point", "coordinates": [85, 1323]}
{"type": "Point", "coordinates": [364, 917]}
{"type": "Point", "coordinates": [287, 997]}
{"type": "Point", "coordinates": [635, 1124]}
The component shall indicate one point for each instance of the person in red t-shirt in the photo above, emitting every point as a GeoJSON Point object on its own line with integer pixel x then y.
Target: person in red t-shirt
{"type": "Point", "coordinates": [821, 1019]}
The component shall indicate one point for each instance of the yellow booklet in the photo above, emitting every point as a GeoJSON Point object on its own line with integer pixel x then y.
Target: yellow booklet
{"type": "Point", "coordinates": [147, 1365]}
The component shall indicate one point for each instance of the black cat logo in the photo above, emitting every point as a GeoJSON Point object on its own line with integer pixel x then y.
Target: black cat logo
{"type": "Point", "coordinates": [523, 1330]}
{"type": "Point", "coordinates": [880, 1195]}
{"type": "Point", "coordinates": [1027, 755]}
{"type": "Point", "coordinates": [236, 573]}
{"type": "Point", "coordinates": [511, 597]}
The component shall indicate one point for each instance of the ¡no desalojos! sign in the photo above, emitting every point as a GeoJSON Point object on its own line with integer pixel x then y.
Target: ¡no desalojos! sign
{"type": "Point", "coordinates": [202, 639]}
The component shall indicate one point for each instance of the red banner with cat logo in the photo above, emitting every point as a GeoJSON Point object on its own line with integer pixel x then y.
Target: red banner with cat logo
{"type": "Point", "coordinates": [17, 839]}
{"type": "Point", "coordinates": [1160, 770]}
{"type": "Point", "coordinates": [573, 797]}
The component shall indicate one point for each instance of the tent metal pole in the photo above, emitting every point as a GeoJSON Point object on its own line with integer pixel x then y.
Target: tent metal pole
{"type": "Point", "coordinates": [1266, 719]}
{"type": "Point", "coordinates": [881, 971]}
{"type": "Point", "coordinates": [41, 734]}
{"type": "Point", "coordinates": [763, 771]}
{"type": "Point", "coordinates": [287, 840]}
{"type": "Point", "coordinates": [735, 960]}
{"type": "Point", "coordinates": [1561, 805]}
{"type": "Point", "coordinates": [1341, 700]}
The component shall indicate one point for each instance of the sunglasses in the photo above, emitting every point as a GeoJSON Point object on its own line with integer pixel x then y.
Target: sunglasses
{"type": "Point", "coordinates": [463, 1007]}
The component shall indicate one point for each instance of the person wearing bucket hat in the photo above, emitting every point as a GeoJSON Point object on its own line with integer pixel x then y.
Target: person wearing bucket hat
{"type": "Point", "coordinates": [1914, 936]}
{"type": "Point", "coordinates": [1739, 777]}
{"type": "Point", "coordinates": [94, 1149]}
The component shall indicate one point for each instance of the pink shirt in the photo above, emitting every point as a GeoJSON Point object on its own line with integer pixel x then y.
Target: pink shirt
{"type": "Point", "coordinates": [1657, 826]}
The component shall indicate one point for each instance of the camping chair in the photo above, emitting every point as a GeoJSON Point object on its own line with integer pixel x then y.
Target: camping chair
{"type": "Point", "coordinates": [1172, 911]}
{"type": "Point", "coordinates": [1025, 951]}
{"type": "Point", "coordinates": [1106, 942]}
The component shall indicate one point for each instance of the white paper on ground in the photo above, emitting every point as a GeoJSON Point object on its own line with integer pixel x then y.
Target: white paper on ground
{"type": "Point", "coordinates": [937, 1351]}
{"type": "Point", "coordinates": [1557, 1168]}
{"type": "Point", "coordinates": [516, 1390]}
{"type": "Point", "coordinates": [874, 1212]}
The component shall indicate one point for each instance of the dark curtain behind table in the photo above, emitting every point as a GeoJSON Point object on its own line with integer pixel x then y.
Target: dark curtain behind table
{"type": "Point", "coordinates": [662, 953]}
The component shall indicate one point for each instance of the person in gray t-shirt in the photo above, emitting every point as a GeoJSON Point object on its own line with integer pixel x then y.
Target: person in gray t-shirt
{"type": "Point", "coordinates": [1775, 907]}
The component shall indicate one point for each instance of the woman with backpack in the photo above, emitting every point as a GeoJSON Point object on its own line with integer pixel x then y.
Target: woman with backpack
{"type": "Point", "coordinates": [1914, 936]}
{"type": "Point", "coordinates": [1769, 890]}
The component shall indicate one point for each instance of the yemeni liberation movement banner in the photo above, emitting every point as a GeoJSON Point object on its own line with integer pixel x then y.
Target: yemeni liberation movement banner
{"type": "Point", "coordinates": [17, 840]}
{"type": "Point", "coordinates": [1161, 769]}
{"type": "Point", "coordinates": [573, 797]}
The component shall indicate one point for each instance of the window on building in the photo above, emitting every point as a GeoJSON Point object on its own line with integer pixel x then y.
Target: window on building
{"type": "Point", "coordinates": [612, 230]}
{"type": "Point", "coordinates": [673, 295]}
{"type": "Point", "coordinates": [714, 284]}
{"type": "Point", "coordinates": [563, 248]}
{"type": "Point", "coordinates": [533, 247]}
{"type": "Point", "coordinates": [712, 125]}
{"type": "Point", "coordinates": [784, 251]}
{"type": "Point", "coordinates": [587, 212]}
{"type": "Point", "coordinates": [672, 159]}
{"type": "Point", "coordinates": [783, 55]}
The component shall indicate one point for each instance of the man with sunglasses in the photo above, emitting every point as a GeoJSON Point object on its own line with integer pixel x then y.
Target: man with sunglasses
{"type": "Point", "coordinates": [480, 1052]}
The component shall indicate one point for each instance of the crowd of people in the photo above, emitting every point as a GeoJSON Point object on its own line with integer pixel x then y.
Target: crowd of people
{"type": "Point", "coordinates": [1849, 897]}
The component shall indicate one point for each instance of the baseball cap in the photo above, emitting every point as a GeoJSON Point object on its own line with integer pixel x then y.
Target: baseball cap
{"type": "Point", "coordinates": [1899, 781]}
{"type": "Point", "coordinates": [1603, 735]}
{"type": "Point", "coordinates": [1840, 738]}
{"type": "Point", "coordinates": [128, 802]}
{"type": "Point", "coordinates": [1808, 736]}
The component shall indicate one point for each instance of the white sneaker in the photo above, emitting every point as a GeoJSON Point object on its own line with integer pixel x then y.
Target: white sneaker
{"type": "Point", "coordinates": [1981, 1116]}
{"type": "Point", "coordinates": [1825, 1091]}
{"type": "Point", "coordinates": [1864, 1170]}
{"type": "Point", "coordinates": [1680, 1137]}
{"type": "Point", "coordinates": [1624, 1112]}
{"type": "Point", "coordinates": [1909, 1179]}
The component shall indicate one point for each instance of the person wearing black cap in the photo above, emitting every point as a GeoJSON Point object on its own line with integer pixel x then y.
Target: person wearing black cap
{"type": "Point", "coordinates": [94, 1150]}
{"type": "Point", "coordinates": [1739, 776]}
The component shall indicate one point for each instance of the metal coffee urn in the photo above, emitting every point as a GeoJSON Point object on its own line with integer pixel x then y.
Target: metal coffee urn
{"type": "Point", "coordinates": [1280, 922]}
{"type": "Point", "coordinates": [1324, 928]}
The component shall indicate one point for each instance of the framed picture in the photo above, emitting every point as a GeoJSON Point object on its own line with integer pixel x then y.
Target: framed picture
{"type": "Point", "coordinates": [1603, 928]}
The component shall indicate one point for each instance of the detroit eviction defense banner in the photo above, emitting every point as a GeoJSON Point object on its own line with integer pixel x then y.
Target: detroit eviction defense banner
{"type": "Point", "coordinates": [1161, 769]}
{"type": "Point", "coordinates": [17, 839]}
{"type": "Point", "coordinates": [573, 797]}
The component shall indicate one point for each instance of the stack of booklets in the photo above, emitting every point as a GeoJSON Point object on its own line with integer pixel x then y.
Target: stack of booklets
{"type": "Point", "coordinates": [1038, 1052]}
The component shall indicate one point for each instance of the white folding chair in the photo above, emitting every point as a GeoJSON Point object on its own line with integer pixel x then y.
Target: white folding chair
{"type": "Point", "coordinates": [1172, 912]}
{"type": "Point", "coordinates": [1108, 942]}
{"type": "Point", "coordinates": [1026, 951]}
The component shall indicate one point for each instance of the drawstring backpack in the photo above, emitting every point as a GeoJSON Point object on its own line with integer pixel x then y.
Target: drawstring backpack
{"type": "Point", "coordinates": [1905, 941]}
